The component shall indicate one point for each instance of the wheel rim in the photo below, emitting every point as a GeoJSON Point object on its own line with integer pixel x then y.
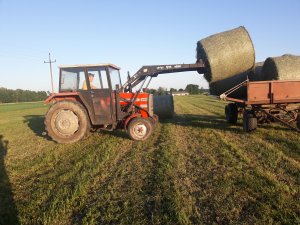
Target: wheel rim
{"type": "Point", "coordinates": [66, 122]}
{"type": "Point", "coordinates": [140, 130]}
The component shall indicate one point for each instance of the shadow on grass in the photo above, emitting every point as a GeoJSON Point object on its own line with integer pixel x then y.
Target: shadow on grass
{"type": "Point", "coordinates": [117, 133]}
{"type": "Point", "coordinates": [203, 121]}
{"type": "Point", "coordinates": [215, 122]}
{"type": "Point", "coordinates": [36, 124]}
{"type": "Point", "coordinates": [8, 210]}
{"type": "Point", "coordinates": [289, 146]}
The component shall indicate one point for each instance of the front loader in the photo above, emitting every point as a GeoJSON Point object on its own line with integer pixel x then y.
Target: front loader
{"type": "Point", "coordinates": [91, 97]}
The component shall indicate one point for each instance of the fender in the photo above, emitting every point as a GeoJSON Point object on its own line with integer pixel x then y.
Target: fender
{"type": "Point", "coordinates": [71, 96]}
{"type": "Point", "coordinates": [143, 114]}
{"type": "Point", "coordinates": [130, 118]}
{"type": "Point", "coordinates": [62, 96]}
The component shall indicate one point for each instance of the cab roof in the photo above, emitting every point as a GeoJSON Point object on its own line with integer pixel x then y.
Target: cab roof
{"type": "Point", "coordinates": [90, 65]}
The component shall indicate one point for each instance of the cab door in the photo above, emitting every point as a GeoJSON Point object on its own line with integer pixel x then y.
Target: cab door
{"type": "Point", "coordinates": [101, 95]}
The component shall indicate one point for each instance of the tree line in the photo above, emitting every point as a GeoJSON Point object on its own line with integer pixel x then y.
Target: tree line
{"type": "Point", "coordinates": [19, 95]}
{"type": "Point", "coordinates": [12, 96]}
{"type": "Point", "coordinates": [192, 89]}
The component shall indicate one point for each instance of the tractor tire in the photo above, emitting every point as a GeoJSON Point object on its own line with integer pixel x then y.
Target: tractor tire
{"type": "Point", "coordinates": [67, 122]}
{"type": "Point", "coordinates": [231, 113]}
{"type": "Point", "coordinates": [140, 129]}
{"type": "Point", "coordinates": [249, 121]}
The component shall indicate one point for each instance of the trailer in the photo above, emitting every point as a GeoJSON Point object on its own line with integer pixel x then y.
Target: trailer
{"type": "Point", "coordinates": [265, 102]}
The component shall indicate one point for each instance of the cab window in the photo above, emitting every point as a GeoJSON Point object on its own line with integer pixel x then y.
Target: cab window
{"type": "Point", "coordinates": [98, 78]}
{"type": "Point", "coordinates": [115, 78]}
{"type": "Point", "coordinates": [71, 79]}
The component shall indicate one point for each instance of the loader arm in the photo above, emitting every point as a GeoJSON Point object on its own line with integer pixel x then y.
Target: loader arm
{"type": "Point", "coordinates": [154, 70]}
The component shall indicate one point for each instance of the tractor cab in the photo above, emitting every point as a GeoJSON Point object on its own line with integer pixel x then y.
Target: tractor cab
{"type": "Point", "coordinates": [96, 85]}
{"type": "Point", "coordinates": [77, 77]}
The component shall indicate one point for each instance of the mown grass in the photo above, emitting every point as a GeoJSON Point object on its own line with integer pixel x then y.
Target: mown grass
{"type": "Point", "coordinates": [195, 169]}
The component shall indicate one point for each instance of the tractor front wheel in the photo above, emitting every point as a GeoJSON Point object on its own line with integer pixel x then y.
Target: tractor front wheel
{"type": "Point", "coordinates": [67, 122]}
{"type": "Point", "coordinates": [140, 129]}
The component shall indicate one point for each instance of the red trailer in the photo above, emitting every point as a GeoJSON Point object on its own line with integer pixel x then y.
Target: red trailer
{"type": "Point", "coordinates": [266, 101]}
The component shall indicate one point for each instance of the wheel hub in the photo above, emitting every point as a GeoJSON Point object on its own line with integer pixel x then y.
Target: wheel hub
{"type": "Point", "coordinates": [66, 122]}
{"type": "Point", "coordinates": [140, 130]}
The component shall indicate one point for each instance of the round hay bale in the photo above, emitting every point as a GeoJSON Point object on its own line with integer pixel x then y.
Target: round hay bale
{"type": "Point", "coordinates": [226, 54]}
{"type": "Point", "coordinates": [255, 74]}
{"type": "Point", "coordinates": [163, 106]}
{"type": "Point", "coordinates": [286, 67]}
{"type": "Point", "coordinates": [221, 86]}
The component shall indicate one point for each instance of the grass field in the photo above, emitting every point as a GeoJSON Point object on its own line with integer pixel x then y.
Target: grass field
{"type": "Point", "coordinates": [195, 169]}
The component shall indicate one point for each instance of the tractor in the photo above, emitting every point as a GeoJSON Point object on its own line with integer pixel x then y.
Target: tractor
{"type": "Point", "coordinates": [91, 97]}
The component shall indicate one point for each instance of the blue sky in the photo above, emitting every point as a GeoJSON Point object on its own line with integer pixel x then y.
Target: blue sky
{"type": "Point", "coordinates": [131, 34]}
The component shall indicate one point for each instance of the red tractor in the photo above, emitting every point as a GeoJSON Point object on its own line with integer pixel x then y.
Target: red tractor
{"type": "Point", "coordinates": [91, 97]}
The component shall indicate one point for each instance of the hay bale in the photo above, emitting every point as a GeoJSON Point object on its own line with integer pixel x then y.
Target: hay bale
{"type": "Point", "coordinates": [286, 67]}
{"type": "Point", "coordinates": [255, 74]}
{"type": "Point", "coordinates": [226, 54]}
{"type": "Point", "coordinates": [163, 106]}
{"type": "Point", "coordinates": [221, 86]}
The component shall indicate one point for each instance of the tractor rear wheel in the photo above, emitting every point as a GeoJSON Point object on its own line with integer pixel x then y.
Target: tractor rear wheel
{"type": "Point", "coordinates": [67, 122]}
{"type": "Point", "coordinates": [140, 129]}
{"type": "Point", "coordinates": [249, 121]}
{"type": "Point", "coordinates": [231, 113]}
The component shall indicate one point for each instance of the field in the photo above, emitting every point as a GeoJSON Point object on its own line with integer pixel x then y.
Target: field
{"type": "Point", "coordinates": [195, 169]}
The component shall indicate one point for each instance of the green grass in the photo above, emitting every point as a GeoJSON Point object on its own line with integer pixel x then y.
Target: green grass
{"type": "Point", "coordinates": [195, 169]}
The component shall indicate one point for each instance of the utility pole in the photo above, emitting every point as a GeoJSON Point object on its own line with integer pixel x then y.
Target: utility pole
{"type": "Point", "coordinates": [50, 62]}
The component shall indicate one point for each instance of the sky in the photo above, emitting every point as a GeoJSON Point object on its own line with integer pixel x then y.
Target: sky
{"type": "Point", "coordinates": [131, 34]}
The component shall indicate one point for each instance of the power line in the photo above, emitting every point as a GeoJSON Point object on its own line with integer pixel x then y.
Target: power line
{"type": "Point", "coordinates": [50, 63]}
{"type": "Point", "coordinates": [20, 47]}
{"type": "Point", "coordinates": [19, 58]}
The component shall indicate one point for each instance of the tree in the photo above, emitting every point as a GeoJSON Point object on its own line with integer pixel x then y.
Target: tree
{"type": "Point", "coordinates": [192, 89]}
{"type": "Point", "coordinates": [161, 91]}
{"type": "Point", "coordinates": [8, 96]}
{"type": "Point", "coordinates": [201, 91]}
{"type": "Point", "coordinates": [152, 91]}
{"type": "Point", "coordinates": [173, 89]}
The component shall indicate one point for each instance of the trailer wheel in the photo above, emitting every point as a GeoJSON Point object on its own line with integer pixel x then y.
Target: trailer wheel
{"type": "Point", "coordinates": [298, 122]}
{"type": "Point", "coordinates": [140, 129]}
{"type": "Point", "coordinates": [67, 122]}
{"type": "Point", "coordinates": [249, 121]}
{"type": "Point", "coordinates": [231, 113]}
